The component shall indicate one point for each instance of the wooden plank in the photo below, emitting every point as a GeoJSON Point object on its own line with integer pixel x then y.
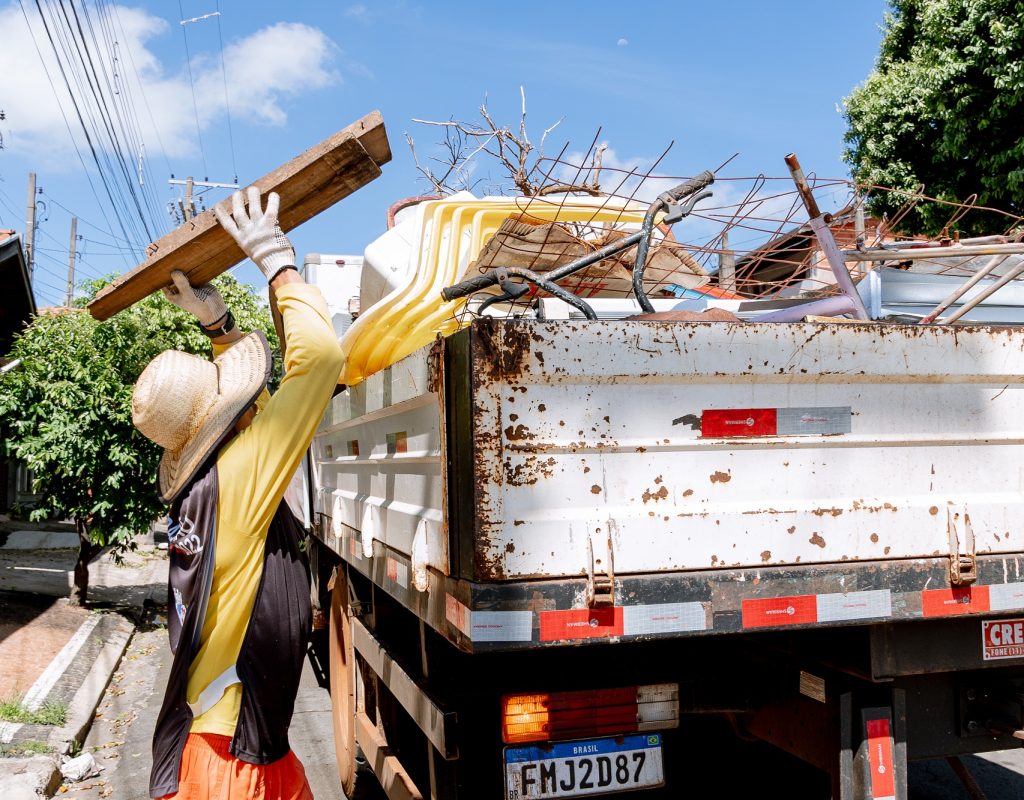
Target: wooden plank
{"type": "Point", "coordinates": [308, 184]}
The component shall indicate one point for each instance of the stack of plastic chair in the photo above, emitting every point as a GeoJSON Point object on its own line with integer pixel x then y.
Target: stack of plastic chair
{"type": "Point", "coordinates": [449, 234]}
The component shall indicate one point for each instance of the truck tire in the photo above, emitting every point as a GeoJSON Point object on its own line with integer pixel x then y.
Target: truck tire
{"type": "Point", "coordinates": [343, 678]}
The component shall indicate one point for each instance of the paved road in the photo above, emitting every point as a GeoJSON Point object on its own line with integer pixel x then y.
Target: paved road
{"type": "Point", "coordinates": [121, 736]}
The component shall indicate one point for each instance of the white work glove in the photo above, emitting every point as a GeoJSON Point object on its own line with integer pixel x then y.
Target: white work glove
{"type": "Point", "coordinates": [203, 302]}
{"type": "Point", "coordinates": [257, 231]}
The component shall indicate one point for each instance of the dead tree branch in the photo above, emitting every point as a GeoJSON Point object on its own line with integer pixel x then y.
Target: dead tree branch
{"type": "Point", "coordinates": [512, 149]}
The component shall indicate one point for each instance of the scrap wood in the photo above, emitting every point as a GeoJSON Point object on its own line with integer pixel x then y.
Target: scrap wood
{"type": "Point", "coordinates": [308, 184]}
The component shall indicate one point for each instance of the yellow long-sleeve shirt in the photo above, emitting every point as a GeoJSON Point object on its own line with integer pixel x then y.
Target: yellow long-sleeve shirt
{"type": "Point", "coordinates": [254, 470]}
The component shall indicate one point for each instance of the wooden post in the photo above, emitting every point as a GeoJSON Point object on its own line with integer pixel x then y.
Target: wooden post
{"type": "Point", "coordinates": [308, 184]}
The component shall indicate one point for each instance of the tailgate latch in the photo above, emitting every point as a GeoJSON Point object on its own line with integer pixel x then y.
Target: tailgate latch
{"type": "Point", "coordinates": [963, 566]}
{"type": "Point", "coordinates": [600, 576]}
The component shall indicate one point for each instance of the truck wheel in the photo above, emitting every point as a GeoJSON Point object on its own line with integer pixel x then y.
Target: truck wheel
{"type": "Point", "coordinates": [343, 695]}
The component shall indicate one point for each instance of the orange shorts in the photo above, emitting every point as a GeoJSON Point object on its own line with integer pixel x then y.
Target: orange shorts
{"type": "Point", "coordinates": [210, 772]}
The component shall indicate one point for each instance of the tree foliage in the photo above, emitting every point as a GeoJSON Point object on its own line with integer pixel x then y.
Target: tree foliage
{"type": "Point", "coordinates": [66, 410]}
{"type": "Point", "coordinates": [942, 108]}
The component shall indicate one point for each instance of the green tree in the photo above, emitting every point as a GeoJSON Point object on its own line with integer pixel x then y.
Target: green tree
{"type": "Point", "coordinates": [66, 409]}
{"type": "Point", "coordinates": [943, 108]}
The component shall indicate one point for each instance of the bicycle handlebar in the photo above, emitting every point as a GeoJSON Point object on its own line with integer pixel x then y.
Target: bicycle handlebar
{"type": "Point", "coordinates": [686, 188]}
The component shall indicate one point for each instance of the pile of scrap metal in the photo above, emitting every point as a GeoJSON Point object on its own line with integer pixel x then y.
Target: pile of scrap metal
{"type": "Point", "coordinates": [823, 269]}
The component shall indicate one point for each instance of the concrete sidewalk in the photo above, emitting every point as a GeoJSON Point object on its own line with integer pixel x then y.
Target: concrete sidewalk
{"type": "Point", "coordinates": [88, 643]}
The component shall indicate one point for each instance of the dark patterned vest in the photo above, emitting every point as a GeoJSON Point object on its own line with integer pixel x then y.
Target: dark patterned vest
{"type": "Point", "coordinates": [269, 664]}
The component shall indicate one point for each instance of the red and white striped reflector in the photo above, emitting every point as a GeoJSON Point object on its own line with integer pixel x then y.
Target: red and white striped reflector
{"type": "Point", "coordinates": [598, 712]}
{"type": "Point", "coordinates": [734, 423]}
{"type": "Point", "coordinates": [598, 623]}
{"type": "Point", "coordinates": [770, 612]}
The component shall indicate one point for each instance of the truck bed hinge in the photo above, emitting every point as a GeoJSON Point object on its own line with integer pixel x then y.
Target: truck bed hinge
{"type": "Point", "coordinates": [600, 576]}
{"type": "Point", "coordinates": [963, 567]}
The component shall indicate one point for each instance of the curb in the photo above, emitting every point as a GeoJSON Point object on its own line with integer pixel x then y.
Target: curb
{"type": "Point", "coordinates": [39, 540]}
{"type": "Point", "coordinates": [80, 681]}
{"type": "Point", "coordinates": [29, 778]}
{"type": "Point", "coordinates": [83, 705]}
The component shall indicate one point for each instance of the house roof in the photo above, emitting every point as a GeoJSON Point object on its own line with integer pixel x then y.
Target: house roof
{"type": "Point", "coordinates": [788, 255]}
{"type": "Point", "coordinates": [19, 305]}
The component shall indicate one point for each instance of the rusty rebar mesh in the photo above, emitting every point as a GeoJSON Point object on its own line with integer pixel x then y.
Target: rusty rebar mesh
{"type": "Point", "coordinates": [759, 221]}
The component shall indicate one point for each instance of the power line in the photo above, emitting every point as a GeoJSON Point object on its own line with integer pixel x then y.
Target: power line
{"type": "Point", "coordinates": [101, 103]}
{"type": "Point", "coordinates": [78, 112]}
{"type": "Point", "coordinates": [142, 88]}
{"type": "Point", "coordinates": [227, 104]}
{"type": "Point", "coordinates": [124, 104]}
{"type": "Point", "coordinates": [195, 103]}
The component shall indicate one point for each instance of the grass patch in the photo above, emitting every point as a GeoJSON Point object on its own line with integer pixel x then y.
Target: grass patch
{"type": "Point", "coordinates": [32, 746]}
{"type": "Point", "coordinates": [11, 710]}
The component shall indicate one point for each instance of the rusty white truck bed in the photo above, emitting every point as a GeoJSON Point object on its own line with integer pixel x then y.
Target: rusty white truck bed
{"type": "Point", "coordinates": [691, 446]}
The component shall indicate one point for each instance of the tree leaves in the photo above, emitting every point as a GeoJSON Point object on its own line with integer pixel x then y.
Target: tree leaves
{"type": "Point", "coordinates": [942, 108]}
{"type": "Point", "coordinates": [67, 407]}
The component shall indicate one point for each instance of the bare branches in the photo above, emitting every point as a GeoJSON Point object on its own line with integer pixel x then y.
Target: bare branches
{"type": "Point", "coordinates": [511, 149]}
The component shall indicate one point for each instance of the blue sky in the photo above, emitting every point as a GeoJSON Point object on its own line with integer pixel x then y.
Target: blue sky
{"type": "Point", "coordinates": [750, 76]}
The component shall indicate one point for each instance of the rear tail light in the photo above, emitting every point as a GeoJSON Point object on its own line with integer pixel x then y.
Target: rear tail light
{"type": "Point", "coordinates": [600, 712]}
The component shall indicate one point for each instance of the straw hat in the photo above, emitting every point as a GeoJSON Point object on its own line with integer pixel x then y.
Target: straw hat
{"type": "Point", "coordinates": [187, 404]}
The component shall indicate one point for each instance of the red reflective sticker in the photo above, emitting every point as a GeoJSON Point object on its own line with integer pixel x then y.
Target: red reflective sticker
{"type": "Point", "coordinates": [732, 423]}
{"type": "Point", "coordinates": [950, 602]}
{"type": "Point", "coordinates": [580, 623]}
{"type": "Point", "coordinates": [883, 781]}
{"type": "Point", "coordinates": [773, 611]}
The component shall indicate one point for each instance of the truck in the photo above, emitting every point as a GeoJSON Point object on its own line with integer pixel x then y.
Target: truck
{"type": "Point", "coordinates": [566, 553]}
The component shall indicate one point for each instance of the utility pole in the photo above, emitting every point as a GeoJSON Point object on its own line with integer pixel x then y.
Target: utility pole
{"type": "Point", "coordinates": [726, 265]}
{"type": "Point", "coordinates": [188, 209]}
{"type": "Point", "coordinates": [71, 261]}
{"type": "Point", "coordinates": [30, 225]}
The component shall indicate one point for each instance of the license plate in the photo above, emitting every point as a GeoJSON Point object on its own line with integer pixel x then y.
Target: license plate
{"type": "Point", "coordinates": [577, 769]}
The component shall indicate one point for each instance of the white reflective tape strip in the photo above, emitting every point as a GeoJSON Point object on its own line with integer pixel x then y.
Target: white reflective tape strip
{"type": "Point", "coordinates": [501, 626]}
{"type": "Point", "coordinates": [1006, 596]}
{"type": "Point", "coordinates": [854, 605]}
{"type": "Point", "coordinates": [813, 421]}
{"type": "Point", "coordinates": [663, 618]}
{"type": "Point", "coordinates": [209, 697]}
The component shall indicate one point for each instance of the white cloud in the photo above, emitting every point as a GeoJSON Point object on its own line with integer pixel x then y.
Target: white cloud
{"type": "Point", "coordinates": [622, 42]}
{"type": "Point", "coordinates": [280, 61]}
{"type": "Point", "coordinates": [263, 70]}
{"type": "Point", "coordinates": [357, 11]}
{"type": "Point", "coordinates": [754, 209]}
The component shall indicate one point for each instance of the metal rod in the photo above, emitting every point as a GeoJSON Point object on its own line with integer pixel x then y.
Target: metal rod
{"type": "Point", "coordinates": [826, 307]}
{"type": "Point", "coordinates": [966, 778]}
{"type": "Point", "coordinates": [826, 240]}
{"type": "Point", "coordinates": [802, 186]}
{"type": "Point", "coordinates": [916, 253]}
{"type": "Point", "coordinates": [994, 262]}
{"type": "Point", "coordinates": [983, 295]}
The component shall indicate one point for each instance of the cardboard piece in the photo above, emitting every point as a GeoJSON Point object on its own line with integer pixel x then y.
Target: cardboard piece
{"type": "Point", "coordinates": [308, 184]}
